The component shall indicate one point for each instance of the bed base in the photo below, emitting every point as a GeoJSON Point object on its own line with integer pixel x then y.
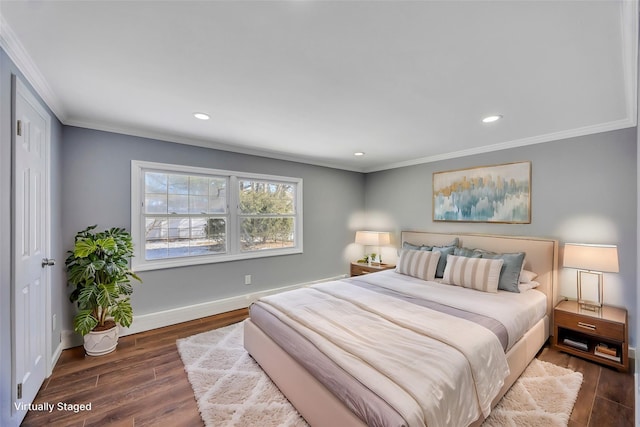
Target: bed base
{"type": "Point", "coordinates": [321, 408]}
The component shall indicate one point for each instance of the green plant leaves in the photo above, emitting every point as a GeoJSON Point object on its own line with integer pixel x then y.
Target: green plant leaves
{"type": "Point", "coordinates": [84, 322]}
{"type": "Point", "coordinates": [98, 267]}
{"type": "Point", "coordinates": [84, 248]}
{"type": "Point", "coordinates": [123, 313]}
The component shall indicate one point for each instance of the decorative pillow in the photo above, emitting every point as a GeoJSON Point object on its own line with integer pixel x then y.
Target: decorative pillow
{"type": "Point", "coordinates": [407, 245]}
{"type": "Point", "coordinates": [470, 253]}
{"type": "Point", "coordinates": [420, 264]}
{"type": "Point", "coordinates": [510, 275]}
{"type": "Point", "coordinates": [523, 287]}
{"type": "Point", "coordinates": [475, 273]}
{"type": "Point", "coordinates": [527, 276]}
{"type": "Point", "coordinates": [444, 251]}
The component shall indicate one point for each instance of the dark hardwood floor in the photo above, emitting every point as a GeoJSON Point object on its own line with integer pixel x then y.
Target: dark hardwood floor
{"type": "Point", "coordinates": [143, 383]}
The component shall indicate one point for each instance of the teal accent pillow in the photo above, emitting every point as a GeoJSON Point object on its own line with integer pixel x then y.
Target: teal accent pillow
{"type": "Point", "coordinates": [511, 268]}
{"type": "Point", "coordinates": [466, 252]}
{"type": "Point", "coordinates": [410, 246]}
{"type": "Point", "coordinates": [442, 262]}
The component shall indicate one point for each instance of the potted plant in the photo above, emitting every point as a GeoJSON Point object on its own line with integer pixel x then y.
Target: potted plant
{"type": "Point", "coordinates": [98, 268]}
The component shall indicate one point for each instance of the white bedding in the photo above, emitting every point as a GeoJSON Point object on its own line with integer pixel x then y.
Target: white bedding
{"type": "Point", "coordinates": [518, 312]}
{"type": "Point", "coordinates": [434, 369]}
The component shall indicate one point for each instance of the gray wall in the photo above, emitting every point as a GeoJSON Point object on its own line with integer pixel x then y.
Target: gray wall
{"type": "Point", "coordinates": [7, 68]}
{"type": "Point", "coordinates": [97, 185]}
{"type": "Point", "coordinates": [583, 190]}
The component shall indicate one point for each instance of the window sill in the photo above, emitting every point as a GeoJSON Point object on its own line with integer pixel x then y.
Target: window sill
{"type": "Point", "coordinates": [208, 259]}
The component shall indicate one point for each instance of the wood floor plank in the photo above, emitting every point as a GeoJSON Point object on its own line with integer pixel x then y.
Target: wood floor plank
{"type": "Point", "coordinates": [587, 394]}
{"type": "Point", "coordinates": [59, 386]}
{"type": "Point", "coordinates": [143, 383]}
{"type": "Point", "coordinates": [608, 413]}
{"type": "Point", "coordinates": [175, 413]}
{"type": "Point", "coordinates": [617, 387]}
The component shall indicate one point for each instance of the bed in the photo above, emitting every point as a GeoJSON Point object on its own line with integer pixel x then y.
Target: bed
{"type": "Point", "coordinates": [283, 342]}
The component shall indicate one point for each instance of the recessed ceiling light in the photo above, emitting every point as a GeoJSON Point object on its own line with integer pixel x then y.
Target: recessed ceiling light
{"type": "Point", "coordinates": [358, 153]}
{"type": "Point", "coordinates": [491, 119]}
{"type": "Point", "coordinates": [201, 116]}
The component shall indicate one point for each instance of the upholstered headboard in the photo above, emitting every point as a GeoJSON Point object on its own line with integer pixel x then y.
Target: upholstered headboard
{"type": "Point", "coordinates": [541, 254]}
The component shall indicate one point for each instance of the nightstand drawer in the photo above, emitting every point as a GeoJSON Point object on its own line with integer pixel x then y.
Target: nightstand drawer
{"type": "Point", "coordinates": [590, 325]}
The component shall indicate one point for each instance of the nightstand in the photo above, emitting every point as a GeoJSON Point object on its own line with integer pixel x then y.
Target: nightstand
{"type": "Point", "coordinates": [358, 269]}
{"type": "Point", "coordinates": [600, 336]}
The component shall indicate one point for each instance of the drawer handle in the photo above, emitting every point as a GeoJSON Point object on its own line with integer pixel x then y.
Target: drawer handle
{"type": "Point", "coordinates": [587, 326]}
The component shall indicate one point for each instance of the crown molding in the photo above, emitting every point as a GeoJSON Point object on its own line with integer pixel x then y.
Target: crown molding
{"type": "Point", "coordinates": [18, 54]}
{"type": "Point", "coordinates": [539, 139]}
{"type": "Point", "coordinates": [160, 136]}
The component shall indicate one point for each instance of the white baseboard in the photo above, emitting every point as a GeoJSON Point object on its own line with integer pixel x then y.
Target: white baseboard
{"type": "Point", "coordinates": [160, 319]}
{"type": "Point", "coordinates": [54, 358]}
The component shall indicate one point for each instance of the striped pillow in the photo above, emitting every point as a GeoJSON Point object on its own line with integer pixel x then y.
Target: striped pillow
{"type": "Point", "coordinates": [420, 264]}
{"type": "Point", "coordinates": [476, 273]}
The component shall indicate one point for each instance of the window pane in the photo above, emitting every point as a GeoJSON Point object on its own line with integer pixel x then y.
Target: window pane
{"type": "Point", "coordinates": [178, 237]}
{"type": "Point", "coordinates": [178, 228]}
{"type": "Point", "coordinates": [178, 247]}
{"type": "Point", "coordinates": [208, 236]}
{"type": "Point", "coordinates": [266, 233]}
{"type": "Point", "coordinates": [155, 182]}
{"type": "Point", "coordinates": [217, 195]}
{"type": "Point", "coordinates": [198, 204]}
{"type": "Point", "coordinates": [178, 184]}
{"type": "Point", "coordinates": [155, 203]}
{"type": "Point", "coordinates": [198, 185]}
{"type": "Point", "coordinates": [261, 197]}
{"type": "Point", "coordinates": [178, 204]}
{"type": "Point", "coordinates": [156, 242]}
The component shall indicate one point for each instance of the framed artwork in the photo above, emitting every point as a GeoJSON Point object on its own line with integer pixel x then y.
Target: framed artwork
{"type": "Point", "coordinates": [499, 193]}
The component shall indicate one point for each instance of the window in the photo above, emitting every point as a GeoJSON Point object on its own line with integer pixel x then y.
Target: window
{"type": "Point", "coordinates": [181, 215]}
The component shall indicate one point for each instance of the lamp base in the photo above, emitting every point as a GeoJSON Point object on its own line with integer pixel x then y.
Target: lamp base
{"type": "Point", "coordinates": [590, 287]}
{"type": "Point", "coordinates": [590, 307]}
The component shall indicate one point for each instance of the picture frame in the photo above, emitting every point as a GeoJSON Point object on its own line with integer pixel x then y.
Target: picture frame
{"type": "Point", "coordinates": [491, 194]}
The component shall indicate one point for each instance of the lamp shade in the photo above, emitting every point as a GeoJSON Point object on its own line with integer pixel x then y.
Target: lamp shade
{"type": "Point", "coordinates": [603, 258]}
{"type": "Point", "coordinates": [373, 238]}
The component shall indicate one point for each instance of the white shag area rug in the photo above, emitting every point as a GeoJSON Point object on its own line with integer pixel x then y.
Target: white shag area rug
{"type": "Point", "coordinates": [232, 390]}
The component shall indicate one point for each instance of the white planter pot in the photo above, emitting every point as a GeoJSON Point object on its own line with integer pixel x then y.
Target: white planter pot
{"type": "Point", "coordinates": [101, 342]}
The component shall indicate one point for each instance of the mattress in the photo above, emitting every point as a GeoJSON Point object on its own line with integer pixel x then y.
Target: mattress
{"type": "Point", "coordinates": [504, 313]}
{"type": "Point", "coordinates": [518, 312]}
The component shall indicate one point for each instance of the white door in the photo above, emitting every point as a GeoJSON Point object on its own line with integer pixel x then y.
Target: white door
{"type": "Point", "coordinates": [30, 248]}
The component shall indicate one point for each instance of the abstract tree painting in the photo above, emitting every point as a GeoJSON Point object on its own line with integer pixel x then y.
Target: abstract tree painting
{"type": "Point", "coordinates": [499, 193]}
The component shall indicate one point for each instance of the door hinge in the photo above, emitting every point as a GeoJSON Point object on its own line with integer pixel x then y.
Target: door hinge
{"type": "Point", "coordinates": [19, 128]}
{"type": "Point", "coordinates": [20, 391]}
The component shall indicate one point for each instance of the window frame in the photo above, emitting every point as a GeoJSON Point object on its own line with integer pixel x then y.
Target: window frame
{"type": "Point", "coordinates": [234, 251]}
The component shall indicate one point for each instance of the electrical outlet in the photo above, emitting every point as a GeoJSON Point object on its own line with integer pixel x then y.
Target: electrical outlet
{"type": "Point", "coordinates": [54, 322]}
{"type": "Point", "coordinates": [247, 279]}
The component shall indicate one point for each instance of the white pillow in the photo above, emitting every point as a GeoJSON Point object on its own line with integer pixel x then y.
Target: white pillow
{"type": "Point", "coordinates": [420, 264]}
{"type": "Point", "coordinates": [522, 287]}
{"type": "Point", "coordinates": [527, 276]}
{"type": "Point", "coordinates": [481, 274]}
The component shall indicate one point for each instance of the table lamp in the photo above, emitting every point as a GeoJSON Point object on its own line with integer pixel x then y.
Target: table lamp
{"type": "Point", "coordinates": [373, 238]}
{"type": "Point", "coordinates": [591, 260]}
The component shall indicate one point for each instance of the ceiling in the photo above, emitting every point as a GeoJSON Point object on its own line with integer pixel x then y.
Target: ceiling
{"type": "Point", "coordinates": [405, 82]}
